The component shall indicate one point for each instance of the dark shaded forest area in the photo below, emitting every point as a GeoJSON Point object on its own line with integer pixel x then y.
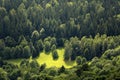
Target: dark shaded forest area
{"type": "Point", "coordinates": [88, 30]}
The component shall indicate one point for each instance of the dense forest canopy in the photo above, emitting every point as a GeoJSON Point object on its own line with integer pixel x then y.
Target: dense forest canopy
{"type": "Point", "coordinates": [88, 30]}
{"type": "Point", "coordinates": [59, 18]}
{"type": "Point", "coordinates": [26, 23]}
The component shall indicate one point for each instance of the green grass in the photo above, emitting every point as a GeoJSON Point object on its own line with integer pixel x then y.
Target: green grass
{"type": "Point", "coordinates": [14, 61]}
{"type": "Point", "coordinates": [48, 60]}
{"type": "Point", "coordinates": [17, 61]}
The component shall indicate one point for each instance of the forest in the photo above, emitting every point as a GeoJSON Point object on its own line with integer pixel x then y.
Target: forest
{"type": "Point", "coordinates": [88, 32]}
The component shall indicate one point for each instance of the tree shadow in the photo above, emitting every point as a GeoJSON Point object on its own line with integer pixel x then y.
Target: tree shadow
{"type": "Point", "coordinates": [47, 53]}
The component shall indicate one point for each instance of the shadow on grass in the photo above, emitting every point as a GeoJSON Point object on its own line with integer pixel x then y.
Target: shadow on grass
{"type": "Point", "coordinates": [69, 63]}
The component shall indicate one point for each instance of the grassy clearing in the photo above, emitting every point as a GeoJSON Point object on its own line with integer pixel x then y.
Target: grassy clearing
{"type": "Point", "coordinates": [14, 61]}
{"type": "Point", "coordinates": [47, 58]}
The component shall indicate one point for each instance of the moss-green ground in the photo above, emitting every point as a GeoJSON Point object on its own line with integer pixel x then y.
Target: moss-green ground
{"type": "Point", "coordinates": [48, 60]}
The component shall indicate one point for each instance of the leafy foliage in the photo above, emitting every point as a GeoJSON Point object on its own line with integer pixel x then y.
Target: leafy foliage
{"type": "Point", "coordinates": [87, 29]}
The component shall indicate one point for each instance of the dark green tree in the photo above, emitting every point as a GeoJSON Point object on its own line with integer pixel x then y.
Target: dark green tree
{"type": "Point", "coordinates": [53, 48]}
{"type": "Point", "coordinates": [35, 35]}
{"type": "Point", "coordinates": [26, 52]}
{"type": "Point", "coordinates": [61, 70]}
{"type": "Point", "coordinates": [68, 50]}
{"type": "Point", "coordinates": [2, 44]}
{"type": "Point", "coordinates": [81, 60]}
{"type": "Point", "coordinates": [55, 55]}
{"type": "Point", "coordinates": [47, 46]}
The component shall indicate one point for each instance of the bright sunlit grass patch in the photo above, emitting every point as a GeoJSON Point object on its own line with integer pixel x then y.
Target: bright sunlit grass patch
{"type": "Point", "coordinates": [48, 60]}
